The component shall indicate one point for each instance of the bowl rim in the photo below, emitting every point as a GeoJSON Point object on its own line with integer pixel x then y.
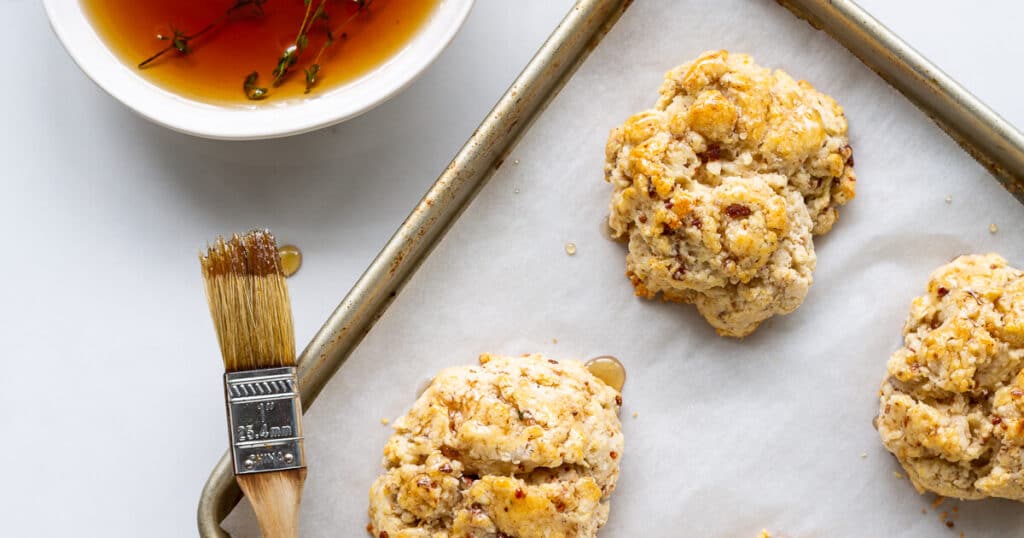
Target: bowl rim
{"type": "Point", "coordinates": [252, 122]}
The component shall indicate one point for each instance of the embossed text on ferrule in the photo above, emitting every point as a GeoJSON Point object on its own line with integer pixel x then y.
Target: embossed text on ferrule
{"type": "Point", "coordinates": [264, 414]}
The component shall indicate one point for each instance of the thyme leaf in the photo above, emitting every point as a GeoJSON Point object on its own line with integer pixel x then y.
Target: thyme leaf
{"type": "Point", "coordinates": [252, 91]}
{"type": "Point", "coordinates": [287, 59]}
{"type": "Point", "coordinates": [311, 74]}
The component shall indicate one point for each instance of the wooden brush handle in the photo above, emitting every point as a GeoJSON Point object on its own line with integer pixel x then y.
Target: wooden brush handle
{"type": "Point", "coordinates": [275, 498]}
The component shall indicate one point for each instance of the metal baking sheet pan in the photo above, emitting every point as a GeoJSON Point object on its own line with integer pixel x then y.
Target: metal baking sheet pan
{"type": "Point", "coordinates": [730, 436]}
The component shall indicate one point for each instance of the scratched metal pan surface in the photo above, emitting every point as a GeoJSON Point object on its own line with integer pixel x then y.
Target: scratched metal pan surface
{"type": "Point", "coordinates": [982, 133]}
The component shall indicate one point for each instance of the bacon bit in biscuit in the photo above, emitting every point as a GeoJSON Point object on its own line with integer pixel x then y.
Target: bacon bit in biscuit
{"type": "Point", "coordinates": [713, 153]}
{"type": "Point", "coordinates": [737, 211]}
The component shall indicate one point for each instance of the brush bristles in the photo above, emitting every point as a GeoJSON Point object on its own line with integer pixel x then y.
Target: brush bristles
{"type": "Point", "coordinates": [249, 302]}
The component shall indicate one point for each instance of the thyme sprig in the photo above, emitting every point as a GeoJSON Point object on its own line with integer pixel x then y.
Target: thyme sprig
{"type": "Point", "coordinates": [180, 40]}
{"type": "Point", "coordinates": [313, 71]}
{"type": "Point", "coordinates": [290, 55]}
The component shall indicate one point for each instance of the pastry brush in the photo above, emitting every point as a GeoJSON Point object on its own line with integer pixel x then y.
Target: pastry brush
{"type": "Point", "coordinates": [252, 315]}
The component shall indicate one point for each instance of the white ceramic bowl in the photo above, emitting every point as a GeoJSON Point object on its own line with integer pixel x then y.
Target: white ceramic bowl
{"type": "Point", "coordinates": [268, 120]}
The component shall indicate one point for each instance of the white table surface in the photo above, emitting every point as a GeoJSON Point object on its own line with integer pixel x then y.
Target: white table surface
{"type": "Point", "coordinates": [110, 389]}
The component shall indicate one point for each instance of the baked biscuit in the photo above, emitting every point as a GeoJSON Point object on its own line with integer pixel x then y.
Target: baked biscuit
{"type": "Point", "coordinates": [952, 407]}
{"type": "Point", "coordinates": [720, 187]}
{"type": "Point", "coordinates": [747, 118]}
{"type": "Point", "coordinates": [524, 446]}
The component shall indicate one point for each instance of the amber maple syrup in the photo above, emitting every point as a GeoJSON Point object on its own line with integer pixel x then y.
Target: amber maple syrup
{"type": "Point", "coordinates": [219, 60]}
{"type": "Point", "coordinates": [291, 259]}
{"type": "Point", "coordinates": [608, 369]}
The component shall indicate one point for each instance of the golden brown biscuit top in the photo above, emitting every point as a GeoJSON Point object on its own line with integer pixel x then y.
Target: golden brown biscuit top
{"type": "Point", "coordinates": [964, 335]}
{"type": "Point", "coordinates": [952, 408]}
{"type": "Point", "coordinates": [723, 115]}
{"type": "Point", "coordinates": [512, 414]}
{"type": "Point", "coordinates": [518, 446]}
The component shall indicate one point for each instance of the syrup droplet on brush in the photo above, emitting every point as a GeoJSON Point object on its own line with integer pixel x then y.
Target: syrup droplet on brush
{"type": "Point", "coordinates": [291, 259]}
{"type": "Point", "coordinates": [608, 369]}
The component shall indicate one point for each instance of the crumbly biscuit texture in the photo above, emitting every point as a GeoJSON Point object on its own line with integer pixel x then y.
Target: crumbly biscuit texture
{"type": "Point", "coordinates": [752, 119]}
{"type": "Point", "coordinates": [742, 252]}
{"type": "Point", "coordinates": [518, 446]}
{"type": "Point", "coordinates": [952, 407]}
{"type": "Point", "coordinates": [720, 187]}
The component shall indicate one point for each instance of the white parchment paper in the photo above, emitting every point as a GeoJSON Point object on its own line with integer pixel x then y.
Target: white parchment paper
{"type": "Point", "coordinates": [730, 436]}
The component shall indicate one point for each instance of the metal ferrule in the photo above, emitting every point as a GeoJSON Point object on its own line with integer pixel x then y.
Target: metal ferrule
{"type": "Point", "coordinates": [264, 420]}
